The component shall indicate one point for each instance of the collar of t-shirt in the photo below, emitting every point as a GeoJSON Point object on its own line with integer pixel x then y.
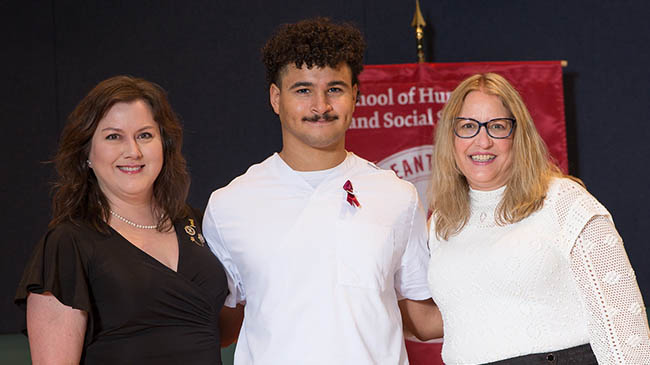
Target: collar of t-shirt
{"type": "Point", "coordinates": [314, 178]}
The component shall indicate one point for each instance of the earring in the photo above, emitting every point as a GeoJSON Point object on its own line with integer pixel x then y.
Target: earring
{"type": "Point", "coordinates": [89, 163]}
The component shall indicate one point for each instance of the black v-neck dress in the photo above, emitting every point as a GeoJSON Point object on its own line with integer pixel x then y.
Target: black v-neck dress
{"type": "Point", "coordinates": [139, 310]}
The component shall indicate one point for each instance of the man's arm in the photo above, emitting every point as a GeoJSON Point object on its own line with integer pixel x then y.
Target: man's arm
{"type": "Point", "coordinates": [422, 318]}
{"type": "Point", "coordinates": [230, 320]}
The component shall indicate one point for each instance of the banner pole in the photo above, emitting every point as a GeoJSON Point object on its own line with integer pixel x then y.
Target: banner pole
{"type": "Point", "coordinates": [419, 24]}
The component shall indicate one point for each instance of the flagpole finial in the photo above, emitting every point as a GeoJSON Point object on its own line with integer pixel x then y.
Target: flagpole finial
{"type": "Point", "coordinates": [419, 24]}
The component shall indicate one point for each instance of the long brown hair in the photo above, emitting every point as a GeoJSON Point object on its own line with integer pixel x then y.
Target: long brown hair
{"type": "Point", "coordinates": [77, 196]}
{"type": "Point", "coordinates": [530, 174]}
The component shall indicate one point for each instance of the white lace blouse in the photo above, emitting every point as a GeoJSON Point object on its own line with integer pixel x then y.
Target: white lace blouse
{"type": "Point", "coordinates": [557, 279]}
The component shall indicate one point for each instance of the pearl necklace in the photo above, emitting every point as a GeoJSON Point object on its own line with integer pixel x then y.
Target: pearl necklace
{"type": "Point", "coordinates": [141, 226]}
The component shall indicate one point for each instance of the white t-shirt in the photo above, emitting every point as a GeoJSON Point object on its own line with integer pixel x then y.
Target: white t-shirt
{"type": "Point", "coordinates": [320, 278]}
{"type": "Point", "coordinates": [557, 279]}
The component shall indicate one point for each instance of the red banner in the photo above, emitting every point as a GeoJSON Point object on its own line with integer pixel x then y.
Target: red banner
{"type": "Point", "coordinates": [400, 104]}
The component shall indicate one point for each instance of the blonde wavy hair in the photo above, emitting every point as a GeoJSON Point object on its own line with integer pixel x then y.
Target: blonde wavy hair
{"type": "Point", "coordinates": [530, 172]}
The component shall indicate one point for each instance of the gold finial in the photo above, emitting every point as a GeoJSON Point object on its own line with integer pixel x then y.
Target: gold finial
{"type": "Point", "coordinates": [419, 24]}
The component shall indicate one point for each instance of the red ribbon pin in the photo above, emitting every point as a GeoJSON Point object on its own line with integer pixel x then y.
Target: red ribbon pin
{"type": "Point", "coordinates": [351, 198]}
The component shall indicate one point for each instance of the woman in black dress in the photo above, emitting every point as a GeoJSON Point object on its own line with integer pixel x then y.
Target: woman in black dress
{"type": "Point", "coordinates": [123, 275]}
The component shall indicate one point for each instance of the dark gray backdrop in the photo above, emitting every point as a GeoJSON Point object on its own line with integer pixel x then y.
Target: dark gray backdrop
{"type": "Point", "coordinates": [206, 54]}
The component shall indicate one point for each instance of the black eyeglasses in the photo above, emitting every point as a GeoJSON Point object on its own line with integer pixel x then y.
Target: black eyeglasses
{"type": "Point", "coordinates": [498, 128]}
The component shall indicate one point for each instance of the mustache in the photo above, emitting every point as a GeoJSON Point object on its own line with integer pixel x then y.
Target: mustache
{"type": "Point", "coordinates": [328, 117]}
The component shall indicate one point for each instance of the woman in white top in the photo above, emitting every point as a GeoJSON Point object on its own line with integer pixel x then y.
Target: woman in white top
{"type": "Point", "coordinates": [526, 266]}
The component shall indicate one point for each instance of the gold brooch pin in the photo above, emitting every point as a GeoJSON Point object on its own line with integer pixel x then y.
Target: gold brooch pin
{"type": "Point", "coordinates": [191, 230]}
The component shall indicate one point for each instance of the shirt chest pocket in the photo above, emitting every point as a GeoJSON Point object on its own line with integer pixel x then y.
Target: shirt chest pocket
{"type": "Point", "coordinates": [364, 254]}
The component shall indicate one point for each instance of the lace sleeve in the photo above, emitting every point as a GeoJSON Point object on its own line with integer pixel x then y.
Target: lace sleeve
{"type": "Point", "coordinates": [618, 326]}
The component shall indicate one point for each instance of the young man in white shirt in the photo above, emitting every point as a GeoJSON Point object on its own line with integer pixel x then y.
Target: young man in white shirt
{"type": "Point", "coordinates": [326, 253]}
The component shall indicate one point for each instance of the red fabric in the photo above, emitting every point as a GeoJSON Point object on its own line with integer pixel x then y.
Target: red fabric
{"type": "Point", "coordinates": [421, 353]}
{"type": "Point", "coordinates": [538, 82]}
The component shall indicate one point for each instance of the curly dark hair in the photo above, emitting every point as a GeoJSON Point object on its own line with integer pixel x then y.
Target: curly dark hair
{"type": "Point", "coordinates": [77, 195]}
{"type": "Point", "coordinates": [314, 42]}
